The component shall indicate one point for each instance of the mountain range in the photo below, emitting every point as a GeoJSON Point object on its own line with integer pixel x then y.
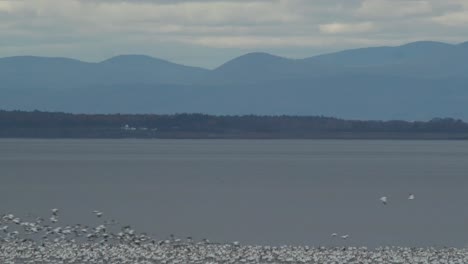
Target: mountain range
{"type": "Point", "coordinates": [416, 81]}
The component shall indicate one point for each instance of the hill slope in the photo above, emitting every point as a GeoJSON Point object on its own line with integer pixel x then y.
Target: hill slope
{"type": "Point", "coordinates": [418, 80]}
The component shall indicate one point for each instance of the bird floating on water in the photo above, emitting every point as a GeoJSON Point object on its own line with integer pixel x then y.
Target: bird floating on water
{"type": "Point", "coordinates": [100, 243]}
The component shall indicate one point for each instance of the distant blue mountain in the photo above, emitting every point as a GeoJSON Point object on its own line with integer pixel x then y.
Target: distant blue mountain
{"type": "Point", "coordinates": [145, 69]}
{"type": "Point", "coordinates": [419, 80]}
{"type": "Point", "coordinates": [387, 55]}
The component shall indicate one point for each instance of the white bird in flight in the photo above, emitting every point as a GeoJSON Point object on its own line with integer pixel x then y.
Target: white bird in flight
{"type": "Point", "coordinates": [411, 196]}
{"type": "Point", "coordinates": [53, 219]}
{"type": "Point", "coordinates": [334, 234]}
{"type": "Point", "coordinates": [384, 200]}
{"type": "Point", "coordinates": [344, 237]}
{"type": "Point", "coordinates": [97, 213]}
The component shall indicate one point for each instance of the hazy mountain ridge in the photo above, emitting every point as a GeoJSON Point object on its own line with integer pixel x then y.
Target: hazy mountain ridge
{"type": "Point", "coordinates": [418, 80]}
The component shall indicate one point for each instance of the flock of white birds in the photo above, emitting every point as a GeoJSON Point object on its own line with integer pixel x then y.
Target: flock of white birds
{"type": "Point", "coordinates": [46, 241]}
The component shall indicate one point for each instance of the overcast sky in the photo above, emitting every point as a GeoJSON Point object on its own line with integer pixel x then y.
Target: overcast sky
{"type": "Point", "coordinates": [209, 32]}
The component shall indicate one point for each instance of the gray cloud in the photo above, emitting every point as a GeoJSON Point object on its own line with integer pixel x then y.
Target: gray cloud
{"type": "Point", "coordinates": [208, 32]}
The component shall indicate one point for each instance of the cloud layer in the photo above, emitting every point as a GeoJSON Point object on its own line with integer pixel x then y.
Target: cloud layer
{"type": "Point", "coordinates": [204, 32]}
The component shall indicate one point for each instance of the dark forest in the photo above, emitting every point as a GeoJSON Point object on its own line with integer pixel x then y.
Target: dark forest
{"type": "Point", "coordinates": [37, 124]}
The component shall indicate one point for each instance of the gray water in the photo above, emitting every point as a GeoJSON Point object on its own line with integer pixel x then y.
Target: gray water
{"type": "Point", "coordinates": [254, 191]}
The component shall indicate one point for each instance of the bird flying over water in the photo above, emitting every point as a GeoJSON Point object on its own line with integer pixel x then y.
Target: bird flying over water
{"type": "Point", "coordinates": [97, 213]}
{"type": "Point", "coordinates": [384, 200]}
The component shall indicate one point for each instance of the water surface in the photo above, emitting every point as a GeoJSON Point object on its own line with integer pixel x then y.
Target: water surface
{"type": "Point", "coordinates": [255, 191]}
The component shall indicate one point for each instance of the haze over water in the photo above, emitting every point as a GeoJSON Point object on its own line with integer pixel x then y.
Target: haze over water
{"type": "Point", "coordinates": [258, 192]}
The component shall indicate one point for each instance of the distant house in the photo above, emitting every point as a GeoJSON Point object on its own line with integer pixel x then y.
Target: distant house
{"type": "Point", "coordinates": [127, 127]}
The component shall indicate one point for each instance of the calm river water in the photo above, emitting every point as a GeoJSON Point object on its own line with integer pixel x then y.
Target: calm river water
{"type": "Point", "coordinates": [254, 191]}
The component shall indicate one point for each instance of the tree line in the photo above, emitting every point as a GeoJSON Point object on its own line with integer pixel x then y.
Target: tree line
{"type": "Point", "coordinates": [38, 124]}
